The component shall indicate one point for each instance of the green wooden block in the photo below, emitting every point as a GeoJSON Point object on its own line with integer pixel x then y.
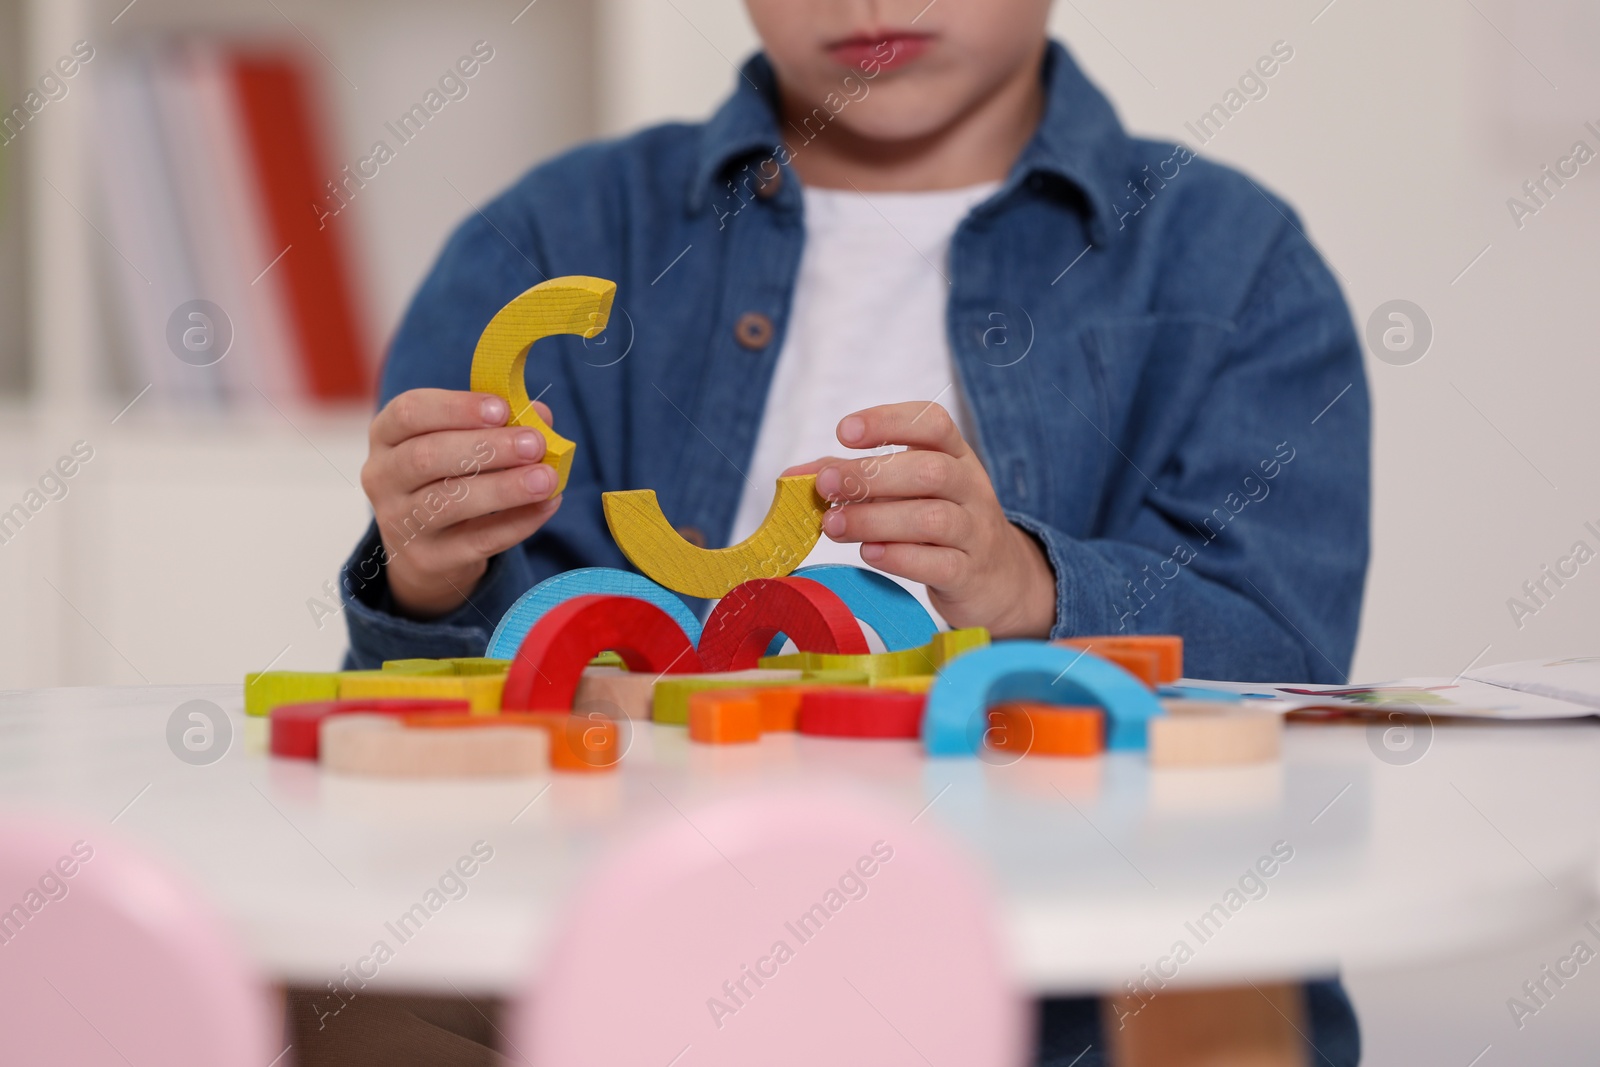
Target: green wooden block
{"type": "Point", "coordinates": [835, 676]}
{"type": "Point", "coordinates": [471, 665]}
{"type": "Point", "coordinates": [928, 659]}
{"type": "Point", "coordinates": [265, 690]}
{"type": "Point", "coordinates": [429, 667]}
{"type": "Point", "coordinates": [670, 701]}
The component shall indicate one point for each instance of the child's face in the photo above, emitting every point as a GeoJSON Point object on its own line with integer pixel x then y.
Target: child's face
{"type": "Point", "coordinates": [897, 78]}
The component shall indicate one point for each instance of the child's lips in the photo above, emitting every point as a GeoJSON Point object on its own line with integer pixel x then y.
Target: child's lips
{"type": "Point", "coordinates": [883, 51]}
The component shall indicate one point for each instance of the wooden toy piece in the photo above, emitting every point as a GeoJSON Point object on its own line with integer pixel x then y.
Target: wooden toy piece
{"type": "Point", "coordinates": [481, 691]}
{"type": "Point", "coordinates": [610, 659]}
{"type": "Point", "coordinates": [955, 719]}
{"type": "Point", "coordinates": [1143, 663]}
{"type": "Point", "coordinates": [1034, 729]}
{"type": "Point", "coordinates": [911, 683]}
{"type": "Point", "coordinates": [383, 746]}
{"type": "Point", "coordinates": [929, 659]}
{"type": "Point", "coordinates": [1167, 647]}
{"type": "Point", "coordinates": [718, 718]}
{"type": "Point", "coordinates": [295, 727]}
{"type": "Point", "coordinates": [470, 666]}
{"type": "Point", "coordinates": [544, 676]}
{"type": "Point", "coordinates": [784, 539]}
{"type": "Point", "coordinates": [897, 617]}
{"type": "Point", "coordinates": [577, 742]}
{"type": "Point", "coordinates": [671, 701]}
{"type": "Point", "coordinates": [603, 688]}
{"type": "Point", "coordinates": [265, 690]}
{"type": "Point", "coordinates": [780, 708]}
{"type": "Point", "coordinates": [585, 581]}
{"type": "Point", "coordinates": [744, 623]}
{"type": "Point", "coordinates": [464, 666]}
{"type": "Point", "coordinates": [832, 676]}
{"type": "Point", "coordinates": [427, 667]}
{"type": "Point", "coordinates": [571, 305]}
{"type": "Point", "coordinates": [1198, 734]}
{"type": "Point", "coordinates": [862, 712]}
{"type": "Point", "coordinates": [1258, 1025]}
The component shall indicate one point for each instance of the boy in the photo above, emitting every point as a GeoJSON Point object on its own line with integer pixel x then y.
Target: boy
{"type": "Point", "coordinates": [1128, 390]}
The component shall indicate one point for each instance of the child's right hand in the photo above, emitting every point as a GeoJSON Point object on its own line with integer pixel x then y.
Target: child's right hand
{"type": "Point", "coordinates": [452, 485]}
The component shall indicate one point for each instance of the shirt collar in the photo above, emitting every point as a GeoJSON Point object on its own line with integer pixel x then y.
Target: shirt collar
{"type": "Point", "coordinates": [1079, 138]}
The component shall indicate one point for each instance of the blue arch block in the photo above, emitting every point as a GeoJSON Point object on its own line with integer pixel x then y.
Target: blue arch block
{"type": "Point", "coordinates": [877, 600]}
{"type": "Point", "coordinates": [955, 719]}
{"type": "Point", "coordinates": [557, 589]}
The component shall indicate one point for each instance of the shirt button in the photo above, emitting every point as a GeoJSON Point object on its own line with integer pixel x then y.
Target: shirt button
{"type": "Point", "coordinates": [767, 188]}
{"type": "Point", "coordinates": [693, 535]}
{"type": "Point", "coordinates": [753, 330]}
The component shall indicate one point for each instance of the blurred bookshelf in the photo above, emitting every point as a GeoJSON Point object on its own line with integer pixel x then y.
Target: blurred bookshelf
{"type": "Point", "coordinates": [223, 495]}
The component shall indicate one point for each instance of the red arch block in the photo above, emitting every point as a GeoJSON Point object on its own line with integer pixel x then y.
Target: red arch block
{"type": "Point", "coordinates": [544, 675]}
{"type": "Point", "coordinates": [743, 623]}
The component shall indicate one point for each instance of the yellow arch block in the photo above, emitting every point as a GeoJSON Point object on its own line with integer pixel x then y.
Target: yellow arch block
{"type": "Point", "coordinates": [576, 304]}
{"type": "Point", "coordinates": [786, 536]}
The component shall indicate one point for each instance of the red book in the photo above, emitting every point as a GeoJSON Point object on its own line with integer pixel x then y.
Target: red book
{"type": "Point", "coordinates": [284, 151]}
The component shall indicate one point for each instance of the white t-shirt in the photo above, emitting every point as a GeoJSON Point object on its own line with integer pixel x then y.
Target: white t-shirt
{"type": "Point", "coordinates": [867, 327]}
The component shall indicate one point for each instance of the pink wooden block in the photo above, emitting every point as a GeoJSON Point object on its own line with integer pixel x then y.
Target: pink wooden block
{"type": "Point", "coordinates": [812, 929]}
{"type": "Point", "coordinates": [108, 959]}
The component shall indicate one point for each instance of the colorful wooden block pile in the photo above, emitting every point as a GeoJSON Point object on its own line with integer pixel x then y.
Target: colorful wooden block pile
{"type": "Point", "coordinates": [538, 697]}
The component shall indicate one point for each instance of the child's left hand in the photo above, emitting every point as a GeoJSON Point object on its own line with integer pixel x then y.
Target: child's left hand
{"type": "Point", "coordinates": [929, 514]}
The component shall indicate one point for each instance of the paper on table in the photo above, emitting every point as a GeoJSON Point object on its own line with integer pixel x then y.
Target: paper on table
{"type": "Point", "coordinates": [1437, 697]}
{"type": "Point", "coordinates": [1576, 680]}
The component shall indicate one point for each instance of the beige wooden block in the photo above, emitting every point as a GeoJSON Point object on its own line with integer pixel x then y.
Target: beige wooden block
{"type": "Point", "coordinates": [604, 688]}
{"type": "Point", "coordinates": [382, 747]}
{"type": "Point", "coordinates": [1218, 736]}
{"type": "Point", "coordinates": [1201, 707]}
{"type": "Point", "coordinates": [1247, 1026]}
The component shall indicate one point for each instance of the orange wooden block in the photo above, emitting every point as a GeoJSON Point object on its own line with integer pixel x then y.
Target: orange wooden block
{"type": "Point", "coordinates": [1246, 1026]}
{"type": "Point", "coordinates": [1168, 649]}
{"type": "Point", "coordinates": [1047, 729]}
{"type": "Point", "coordinates": [1143, 663]}
{"type": "Point", "coordinates": [577, 742]}
{"type": "Point", "coordinates": [780, 708]}
{"type": "Point", "coordinates": [716, 718]}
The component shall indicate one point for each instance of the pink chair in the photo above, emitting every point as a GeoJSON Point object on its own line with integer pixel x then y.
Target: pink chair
{"type": "Point", "coordinates": [106, 958]}
{"type": "Point", "coordinates": [777, 929]}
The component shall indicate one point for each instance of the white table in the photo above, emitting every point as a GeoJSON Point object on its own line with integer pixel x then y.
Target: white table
{"type": "Point", "coordinates": [1099, 864]}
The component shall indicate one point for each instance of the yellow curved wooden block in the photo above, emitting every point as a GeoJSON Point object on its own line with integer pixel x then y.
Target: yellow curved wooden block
{"type": "Point", "coordinates": [576, 304]}
{"type": "Point", "coordinates": [784, 539]}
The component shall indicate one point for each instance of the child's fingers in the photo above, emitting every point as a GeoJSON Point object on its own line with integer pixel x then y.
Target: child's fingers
{"type": "Point", "coordinates": [917, 424]}
{"type": "Point", "coordinates": [443, 504]}
{"type": "Point", "coordinates": [934, 566]}
{"type": "Point", "coordinates": [489, 535]}
{"type": "Point", "coordinates": [430, 457]}
{"type": "Point", "coordinates": [419, 411]}
{"type": "Point", "coordinates": [809, 468]}
{"type": "Point", "coordinates": [926, 522]}
{"type": "Point", "coordinates": [897, 475]}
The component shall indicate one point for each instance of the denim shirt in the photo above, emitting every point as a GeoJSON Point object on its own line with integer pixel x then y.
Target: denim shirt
{"type": "Point", "coordinates": [1166, 385]}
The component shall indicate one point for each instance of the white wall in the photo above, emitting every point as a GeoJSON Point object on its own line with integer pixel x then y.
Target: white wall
{"type": "Point", "coordinates": [1398, 131]}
